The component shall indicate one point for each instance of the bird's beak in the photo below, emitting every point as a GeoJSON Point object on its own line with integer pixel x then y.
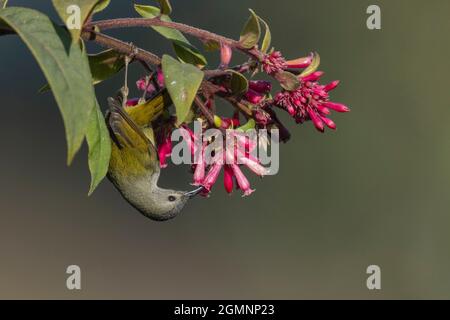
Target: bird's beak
{"type": "Point", "coordinates": [193, 193]}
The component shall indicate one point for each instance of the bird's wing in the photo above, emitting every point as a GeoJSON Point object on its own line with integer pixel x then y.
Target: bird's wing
{"type": "Point", "coordinates": [128, 136]}
{"type": "Point", "coordinates": [144, 114]}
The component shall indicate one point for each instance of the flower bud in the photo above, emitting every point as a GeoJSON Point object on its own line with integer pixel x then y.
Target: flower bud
{"type": "Point", "coordinates": [226, 53]}
{"type": "Point", "coordinates": [260, 86]}
{"type": "Point", "coordinates": [300, 63]}
{"type": "Point", "coordinates": [339, 107]}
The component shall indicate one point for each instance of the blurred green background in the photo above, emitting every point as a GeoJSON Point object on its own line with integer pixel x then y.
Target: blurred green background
{"type": "Point", "coordinates": [374, 192]}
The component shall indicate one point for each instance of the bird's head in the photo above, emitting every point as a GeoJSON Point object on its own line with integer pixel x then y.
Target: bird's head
{"type": "Point", "coordinates": [169, 203]}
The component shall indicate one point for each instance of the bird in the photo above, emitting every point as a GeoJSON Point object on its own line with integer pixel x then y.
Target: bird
{"type": "Point", "coordinates": [134, 167]}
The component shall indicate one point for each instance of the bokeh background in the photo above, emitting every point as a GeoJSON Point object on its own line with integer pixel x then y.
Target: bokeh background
{"type": "Point", "coordinates": [374, 192]}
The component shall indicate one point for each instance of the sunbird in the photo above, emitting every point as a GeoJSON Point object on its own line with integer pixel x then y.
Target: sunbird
{"type": "Point", "coordinates": [134, 168]}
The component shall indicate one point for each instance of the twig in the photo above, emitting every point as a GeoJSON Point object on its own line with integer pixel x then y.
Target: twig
{"type": "Point", "coordinates": [201, 34]}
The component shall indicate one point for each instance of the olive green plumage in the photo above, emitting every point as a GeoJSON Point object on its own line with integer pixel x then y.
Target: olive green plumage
{"type": "Point", "coordinates": [134, 167]}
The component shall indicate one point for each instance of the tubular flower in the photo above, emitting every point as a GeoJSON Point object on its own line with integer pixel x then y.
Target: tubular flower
{"type": "Point", "coordinates": [229, 158]}
{"type": "Point", "coordinates": [254, 97]}
{"type": "Point", "coordinates": [311, 101]}
{"type": "Point", "coordinates": [300, 63]}
{"type": "Point", "coordinates": [260, 86]}
{"type": "Point", "coordinates": [164, 150]}
{"type": "Point", "coordinates": [164, 142]}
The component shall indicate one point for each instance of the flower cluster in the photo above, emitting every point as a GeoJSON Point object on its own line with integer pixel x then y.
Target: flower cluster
{"type": "Point", "coordinates": [307, 100]}
{"type": "Point", "coordinates": [236, 152]}
{"type": "Point", "coordinates": [310, 100]}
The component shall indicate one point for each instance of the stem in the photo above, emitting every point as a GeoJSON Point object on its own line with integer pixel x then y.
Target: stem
{"type": "Point", "coordinates": [150, 58]}
{"type": "Point", "coordinates": [121, 47]}
{"type": "Point", "coordinates": [240, 106]}
{"type": "Point", "coordinates": [201, 34]}
{"type": "Point", "coordinates": [204, 109]}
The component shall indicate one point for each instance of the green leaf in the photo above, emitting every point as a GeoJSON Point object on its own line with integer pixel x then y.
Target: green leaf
{"type": "Point", "coordinates": [288, 80]}
{"type": "Point", "coordinates": [75, 18]}
{"type": "Point", "coordinates": [251, 124]}
{"type": "Point", "coordinates": [252, 31]}
{"type": "Point", "coordinates": [313, 66]}
{"type": "Point", "coordinates": [103, 66]}
{"type": "Point", "coordinates": [64, 65]}
{"type": "Point", "coordinates": [239, 83]}
{"type": "Point", "coordinates": [102, 5]}
{"type": "Point", "coordinates": [166, 7]}
{"type": "Point", "coordinates": [3, 3]}
{"type": "Point", "coordinates": [99, 143]}
{"type": "Point", "coordinates": [185, 51]}
{"type": "Point", "coordinates": [182, 81]}
{"type": "Point", "coordinates": [267, 41]}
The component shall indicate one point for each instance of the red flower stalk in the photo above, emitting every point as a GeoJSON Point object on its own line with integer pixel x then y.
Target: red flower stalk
{"type": "Point", "coordinates": [311, 101]}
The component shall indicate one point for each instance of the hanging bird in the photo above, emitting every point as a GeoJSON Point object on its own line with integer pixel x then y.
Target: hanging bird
{"type": "Point", "coordinates": [134, 167]}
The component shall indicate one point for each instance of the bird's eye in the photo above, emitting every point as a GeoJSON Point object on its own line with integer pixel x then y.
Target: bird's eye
{"type": "Point", "coordinates": [172, 198]}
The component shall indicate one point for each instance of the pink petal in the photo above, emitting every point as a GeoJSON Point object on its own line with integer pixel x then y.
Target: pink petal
{"type": "Point", "coordinates": [132, 102]}
{"type": "Point", "coordinates": [242, 181]}
{"type": "Point", "coordinates": [330, 124]}
{"type": "Point", "coordinates": [212, 176]}
{"type": "Point", "coordinates": [142, 85]}
{"type": "Point", "coordinates": [313, 76]}
{"type": "Point", "coordinates": [322, 109]}
{"type": "Point", "coordinates": [254, 166]}
{"type": "Point", "coordinates": [316, 120]}
{"type": "Point", "coordinates": [339, 107]}
{"type": "Point", "coordinates": [228, 179]}
{"type": "Point", "coordinates": [164, 152]}
{"type": "Point", "coordinates": [331, 86]}
{"type": "Point", "coordinates": [300, 63]}
{"type": "Point", "coordinates": [199, 173]}
{"type": "Point", "coordinates": [254, 97]}
{"type": "Point", "coordinates": [160, 78]}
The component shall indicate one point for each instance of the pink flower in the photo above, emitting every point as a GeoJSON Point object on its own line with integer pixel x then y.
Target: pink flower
{"type": "Point", "coordinates": [311, 101]}
{"type": "Point", "coordinates": [229, 158]}
{"type": "Point", "coordinates": [164, 141]}
{"type": "Point", "coordinates": [254, 97]}
{"type": "Point", "coordinates": [273, 63]}
{"type": "Point", "coordinates": [233, 122]}
{"type": "Point", "coordinates": [132, 102]}
{"type": "Point", "coordinates": [143, 86]}
{"type": "Point", "coordinates": [164, 151]}
{"type": "Point", "coordinates": [300, 63]}
{"type": "Point", "coordinates": [160, 79]}
{"type": "Point", "coordinates": [260, 86]}
{"type": "Point", "coordinates": [212, 176]}
{"type": "Point", "coordinates": [228, 178]}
